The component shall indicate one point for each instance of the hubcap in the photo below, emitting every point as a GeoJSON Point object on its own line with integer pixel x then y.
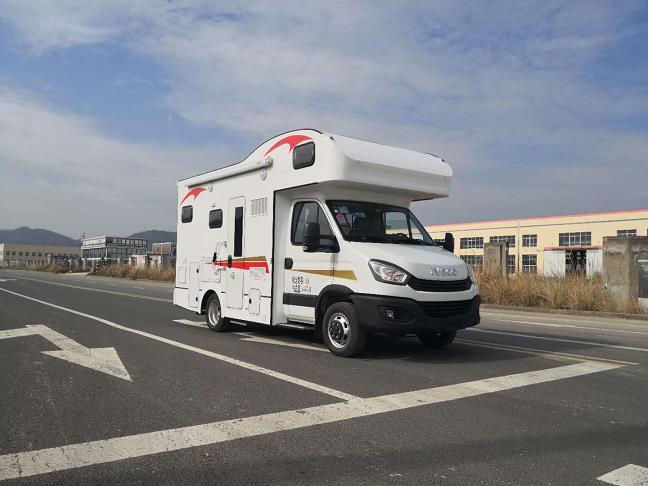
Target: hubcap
{"type": "Point", "coordinates": [214, 312]}
{"type": "Point", "coordinates": [338, 330]}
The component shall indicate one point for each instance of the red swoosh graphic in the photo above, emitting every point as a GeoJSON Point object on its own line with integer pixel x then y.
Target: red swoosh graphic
{"type": "Point", "coordinates": [290, 140]}
{"type": "Point", "coordinates": [194, 192]}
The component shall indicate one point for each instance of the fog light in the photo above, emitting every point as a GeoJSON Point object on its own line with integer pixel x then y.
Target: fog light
{"type": "Point", "coordinates": [390, 314]}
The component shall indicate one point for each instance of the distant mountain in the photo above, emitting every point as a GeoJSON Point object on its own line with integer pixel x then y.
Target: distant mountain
{"type": "Point", "coordinates": [36, 236]}
{"type": "Point", "coordinates": [156, 236]}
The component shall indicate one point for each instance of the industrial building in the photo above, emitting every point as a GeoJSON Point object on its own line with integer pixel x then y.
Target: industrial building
{"type": "Point", "coordinates": [25, 255]}
{"type": "Point", "coordinates": [549, 245]}
{"type": "Point", "coordinates": [111, 249]}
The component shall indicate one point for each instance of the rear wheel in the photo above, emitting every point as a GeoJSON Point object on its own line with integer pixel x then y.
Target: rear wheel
{"type": "Point", "coordinates": [342, 334]}
{"type": "Point", "coordinates": [214, 315]}
{"type": "Point", "coordinates": [437, 339]}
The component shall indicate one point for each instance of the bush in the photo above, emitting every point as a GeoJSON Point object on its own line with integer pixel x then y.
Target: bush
{"type": "Point", "coordinates": [575, 292]}
{"type": "Point", "coordinates": [135, 273]}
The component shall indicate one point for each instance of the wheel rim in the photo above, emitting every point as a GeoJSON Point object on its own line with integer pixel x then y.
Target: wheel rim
{"type": "Point", "coordinates": [214, 312]}
{"type": "Point", "coordinates": [338, 330]}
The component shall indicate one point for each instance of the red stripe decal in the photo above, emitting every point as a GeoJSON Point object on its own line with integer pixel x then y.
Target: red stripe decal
{"type": "Point", "coordinates": [195, 192]}
{"type": "Point", "coordinates": [244, 265]}
{"type": "Point", "coordinates": [291, 141]}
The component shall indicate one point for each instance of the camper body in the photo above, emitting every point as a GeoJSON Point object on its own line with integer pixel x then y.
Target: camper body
{"type": "Point", "coordinates": [313, 230]}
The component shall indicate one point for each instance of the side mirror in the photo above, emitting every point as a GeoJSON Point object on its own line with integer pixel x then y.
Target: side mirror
{"type": "Point", "coordinates": [311, 236]}
{"type": "Point", "coordinates": [448, 243]}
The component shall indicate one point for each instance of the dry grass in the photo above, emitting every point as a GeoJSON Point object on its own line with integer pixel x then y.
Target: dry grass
{"type": "Point", "coordinates": [569, 292]}
{"type": "Point", "coordinates": [49, 268]}
{"type": "Point", "coordinates": [126, 271]}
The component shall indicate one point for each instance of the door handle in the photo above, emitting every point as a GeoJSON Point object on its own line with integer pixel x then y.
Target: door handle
{"type": "Point", "coordinates": [229, 261]}
{"type": "Point", "coordinates": [288, 263]}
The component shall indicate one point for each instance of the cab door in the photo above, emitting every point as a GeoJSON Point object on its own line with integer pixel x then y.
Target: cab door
{"type": "Point", "coordinates": [235, 243]}
{"type": "Point", "coordinates": [307, 272]}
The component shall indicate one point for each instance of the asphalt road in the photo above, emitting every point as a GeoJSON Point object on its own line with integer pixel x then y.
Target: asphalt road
{"type": "Point", "coordinates": [135, 391]}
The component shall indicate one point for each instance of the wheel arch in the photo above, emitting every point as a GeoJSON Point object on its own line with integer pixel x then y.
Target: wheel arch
{"type": "Point", "coordinates": [204, 300]}
{"type": "Point", "coordinates": [328, 296]}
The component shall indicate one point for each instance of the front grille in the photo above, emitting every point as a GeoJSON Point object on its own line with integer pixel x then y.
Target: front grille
{"type": "Point", "coordinates": [442, 309]}
{"type": "Point", "coordinates": [439, 285]}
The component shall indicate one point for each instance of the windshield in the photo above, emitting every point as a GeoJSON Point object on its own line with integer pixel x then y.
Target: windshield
{"type": "Point", "coordinates": [378, 223]}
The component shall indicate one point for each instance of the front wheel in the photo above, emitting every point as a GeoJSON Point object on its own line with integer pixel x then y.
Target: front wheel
{"type": "Point", "coordinates": [342, 334]}
{"type": "Point", "coordinates": [437, 339]}
{"type": "Point", "coordinates": [214, 315]}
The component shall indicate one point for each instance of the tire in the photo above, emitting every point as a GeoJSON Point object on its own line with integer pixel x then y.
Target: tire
{"type": "Point", "coordinates": [342, 334]}
{"type": "Point", "coordinates": [214, 315]}
{"type": "Point", "coordinates": [437, 339]}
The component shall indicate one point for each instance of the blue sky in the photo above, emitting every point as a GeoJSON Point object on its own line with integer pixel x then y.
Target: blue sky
{"type": "Point", "coordinates": [540, 107]}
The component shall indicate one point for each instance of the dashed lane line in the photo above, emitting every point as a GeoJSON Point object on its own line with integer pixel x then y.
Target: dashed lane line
{"type": "Point", "coordinates": [104, 291]}
{"type": "Point", "coordinates": [243, 364]}
{"type": "Point", "coordinates": [43, 461]}
{"type": "Point", "coordinates": [560, 340]}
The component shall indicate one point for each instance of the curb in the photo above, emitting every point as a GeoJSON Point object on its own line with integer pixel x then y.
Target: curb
{"type": "Point", "coordinates": [570, 312]}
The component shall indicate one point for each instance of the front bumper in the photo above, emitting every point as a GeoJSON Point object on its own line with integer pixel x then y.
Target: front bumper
{"type": "Point", "coordinates": [379, 313]}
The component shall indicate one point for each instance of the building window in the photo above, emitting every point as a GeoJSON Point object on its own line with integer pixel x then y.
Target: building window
{"type": "Point", "coordinates": [578, 238]}
{"type": "Point", "coordinates": [471, 242]}
{"type": "Point", "coordinates": [627, 233]}
{"type": "Point", "coordinates": [530, 240]}
{"type": "Point", "coordinates": [530, 263]}
{"type": "Point", "coordinates": [510, 263]}
{"type": "Point", "coordinates": [509, 240]}
{"type": "Point", "coordinates": [475, 261]}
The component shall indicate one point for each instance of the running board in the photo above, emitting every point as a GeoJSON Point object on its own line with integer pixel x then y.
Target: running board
{"type": "Point", "coordinates": [294, 325]}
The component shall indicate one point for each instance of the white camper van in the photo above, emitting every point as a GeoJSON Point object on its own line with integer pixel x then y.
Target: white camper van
{"type": "Point", "coordinates": [312, 230]}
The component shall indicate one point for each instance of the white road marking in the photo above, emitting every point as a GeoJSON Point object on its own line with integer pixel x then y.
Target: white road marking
{"type": "Point", "coordinates": [265, 340]}
{"type": "Point", "coordinates": [560, 340]}
{"type": "Point", "coordinates": [191, 323]}
{"type": "Point", "coordinates": [105, 360]}
{"type": "Point", "coordinates": [259, 369]}
{"type": "Point", "coordinates": [7, 279]}
{"type": "Point", "coordinates": [539, 352]}
{"type": "Point", "coordinates": [546, 324]}
{"type": "Point", "coordinates": [630, 475]}
{"type": "Point", "coordinates": [113, 292]}
{"type": "Point", "coordinates": [43, 461]}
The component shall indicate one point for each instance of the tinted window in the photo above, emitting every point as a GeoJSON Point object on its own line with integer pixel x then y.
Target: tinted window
{"type": "Point", "coordinates": [309, 212]}
{"type": "Point", "coordinates": [187, 214]}
{"type": "Point", "coordinates": [238, 231]}
{"type": "Point", "coordinates": [304, 155]}
{"type": "Point", "coordinates": [215, 218]}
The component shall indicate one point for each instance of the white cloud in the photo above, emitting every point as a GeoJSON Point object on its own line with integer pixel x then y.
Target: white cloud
{"type": "Point", "coordinates": [58, 170]}
{"type": "Point", "coordinates": [488, 87]}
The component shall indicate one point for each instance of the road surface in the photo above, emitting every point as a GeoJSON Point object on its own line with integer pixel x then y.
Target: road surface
{"type": "Point", "coordinates": [103, 381]}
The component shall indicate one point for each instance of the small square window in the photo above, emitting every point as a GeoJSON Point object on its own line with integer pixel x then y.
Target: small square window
{"type": "Point", "coordinates": [304, 155]}
{"type": "Point", "coordinates": [215, 218]}
{"type": "Point", "coordinates": [187, 214]}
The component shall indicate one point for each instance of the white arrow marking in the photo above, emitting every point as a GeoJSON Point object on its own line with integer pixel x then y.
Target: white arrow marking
{"type": "Point", "coordinates": [630, 475]}
{"type": "Point", "coordinates": [105, 360]}
{"type": "Point", "coordinates": [265, 340]}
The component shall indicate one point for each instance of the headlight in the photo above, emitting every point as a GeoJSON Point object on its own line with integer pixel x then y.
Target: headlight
{"type": "Point", "coordinates": [388, 273]}
{"type": "Point", "coordinates": [471, 274]}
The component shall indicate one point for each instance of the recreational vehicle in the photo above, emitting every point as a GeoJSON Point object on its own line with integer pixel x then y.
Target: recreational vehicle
{"type": "Point", "coordinates": [313, 230]}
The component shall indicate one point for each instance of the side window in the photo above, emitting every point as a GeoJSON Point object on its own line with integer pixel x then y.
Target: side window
{"type": "Point", "coordinates": [215, 218]}
{"type": "Point", "coordinates": [187, 214]}
{"type": "Point", "coordinates": [304, 155]}
{"type": "Point", "coordinates": [309, 212]}
{"type": "Point", "coordinates": [238, 231]}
